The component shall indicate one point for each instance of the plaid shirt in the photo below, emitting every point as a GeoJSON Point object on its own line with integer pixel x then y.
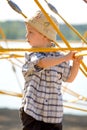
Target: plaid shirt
{"type": "Point", "coordinates": [42, 98]}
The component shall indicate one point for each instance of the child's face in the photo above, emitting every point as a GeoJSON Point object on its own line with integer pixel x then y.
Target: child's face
{"type": "Point", "coordinates": [35, 38]}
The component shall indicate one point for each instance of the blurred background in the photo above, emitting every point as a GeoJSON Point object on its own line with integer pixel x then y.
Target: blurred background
{"type": "Point", "coordinates": [12, 35]}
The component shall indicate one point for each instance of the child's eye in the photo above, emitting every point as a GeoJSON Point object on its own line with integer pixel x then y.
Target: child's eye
{"type": "Point", "coordinates": [31, 32]}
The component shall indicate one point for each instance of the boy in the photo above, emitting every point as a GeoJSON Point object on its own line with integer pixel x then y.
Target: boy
{"type": "Point", "coordinates": [42, 107]}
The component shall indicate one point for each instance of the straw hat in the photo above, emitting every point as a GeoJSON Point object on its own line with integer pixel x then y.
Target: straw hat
{"type": "Point", "coordinates": [42, 25]}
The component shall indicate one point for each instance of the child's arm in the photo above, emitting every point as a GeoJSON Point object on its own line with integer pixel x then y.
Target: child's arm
{"type": "Point", "coordinates": [49, 62]}
{"type": "Point", "coordinates": [74, 69]}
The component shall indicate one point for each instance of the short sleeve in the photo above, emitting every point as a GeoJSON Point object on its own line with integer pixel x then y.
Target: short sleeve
{"type": "Point", "coordinates": [31, 61]}
{"type": "Point", "coordinates": [66, 71]}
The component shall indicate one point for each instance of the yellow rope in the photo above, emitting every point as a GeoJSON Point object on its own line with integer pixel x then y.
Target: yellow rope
{"type": "Point", "coordinates": [75, 102]}
{"type": "Point", "coordinates": [53, 9]}
{"type": "Point", "coordinates": [80, 97]}
{"type": "Point", "coordinates": [53, 24]}
{"type": "Point", "coordinates": [73, 29]}
{"type": "Point", "coordinates": [11, 56]}
{"type": "Point", "coordinates": [69, 48]}
{"type": "Point", "coordinates": [76, 108]}
{"type": "Point", "coordinates": [42, 49]}
{"type": "Point", "coordinates": [84, 72]}
{"type": "Point", "coordinates": [85, 36]}
{"type": "Point", "coordinates": [20, 95]}
{"type": "Point", "coordinates": [11, 93]}
{"type": "Point", "coordinates": [2, 34]}
{"type": "Point", "coordinates": [57, 29]}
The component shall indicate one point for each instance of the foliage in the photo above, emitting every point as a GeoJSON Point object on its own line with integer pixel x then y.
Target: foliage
{"type": "Point", "coordinates": [13, 29]}
{"type": "Point", "coordinates": [16, 30]}
{"type": "Point", "coordinates": [69, 34]}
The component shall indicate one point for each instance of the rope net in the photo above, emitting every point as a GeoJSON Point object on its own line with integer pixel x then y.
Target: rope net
{"type": "Point", "coordinates": [16, 57]}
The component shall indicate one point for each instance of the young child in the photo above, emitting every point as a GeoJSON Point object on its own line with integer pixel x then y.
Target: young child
{"type": "Point", "coordinates": [44, 72]}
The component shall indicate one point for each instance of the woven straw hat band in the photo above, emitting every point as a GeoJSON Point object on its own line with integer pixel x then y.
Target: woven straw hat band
{"type": "Point", "coordinates": [42, 25]}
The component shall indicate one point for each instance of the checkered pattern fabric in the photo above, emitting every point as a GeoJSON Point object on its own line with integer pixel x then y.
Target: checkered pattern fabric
{"type": "Point", "coordinates": [42, 98]}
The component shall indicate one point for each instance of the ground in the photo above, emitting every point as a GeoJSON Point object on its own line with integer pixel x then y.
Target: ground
{"type": "Point", "coordinates": [9, 120]}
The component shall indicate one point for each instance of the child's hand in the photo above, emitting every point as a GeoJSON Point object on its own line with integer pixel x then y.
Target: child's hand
{"type": "Point", "coordinates": [78, 59]}
{"type": "Point", "coordinates": [70, 56]}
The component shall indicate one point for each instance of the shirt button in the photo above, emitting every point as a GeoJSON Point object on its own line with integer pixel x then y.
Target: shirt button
{"type": "Point", "coordinates": [46, 100]}
{"type": "Point", "coordinates": [51, 54]}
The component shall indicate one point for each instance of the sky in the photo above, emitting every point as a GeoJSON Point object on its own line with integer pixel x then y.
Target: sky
{"type": "Point", "coordinates": [73, 11]}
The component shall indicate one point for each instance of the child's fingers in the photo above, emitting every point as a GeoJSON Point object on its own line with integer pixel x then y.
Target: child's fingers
{"type": "Point", "coordinates": [78, 58]}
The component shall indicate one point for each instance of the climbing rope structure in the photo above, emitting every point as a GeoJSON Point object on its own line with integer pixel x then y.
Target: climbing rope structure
{"type": "Point", "coordinates": [80, 101]}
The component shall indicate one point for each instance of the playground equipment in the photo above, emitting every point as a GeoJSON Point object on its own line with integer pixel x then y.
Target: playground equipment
{"type": "Point", "coordinates": [5, 52]}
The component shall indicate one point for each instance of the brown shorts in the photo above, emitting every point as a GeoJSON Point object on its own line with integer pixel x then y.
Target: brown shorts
{"type": "Point", "coordinates": [29, 123]}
